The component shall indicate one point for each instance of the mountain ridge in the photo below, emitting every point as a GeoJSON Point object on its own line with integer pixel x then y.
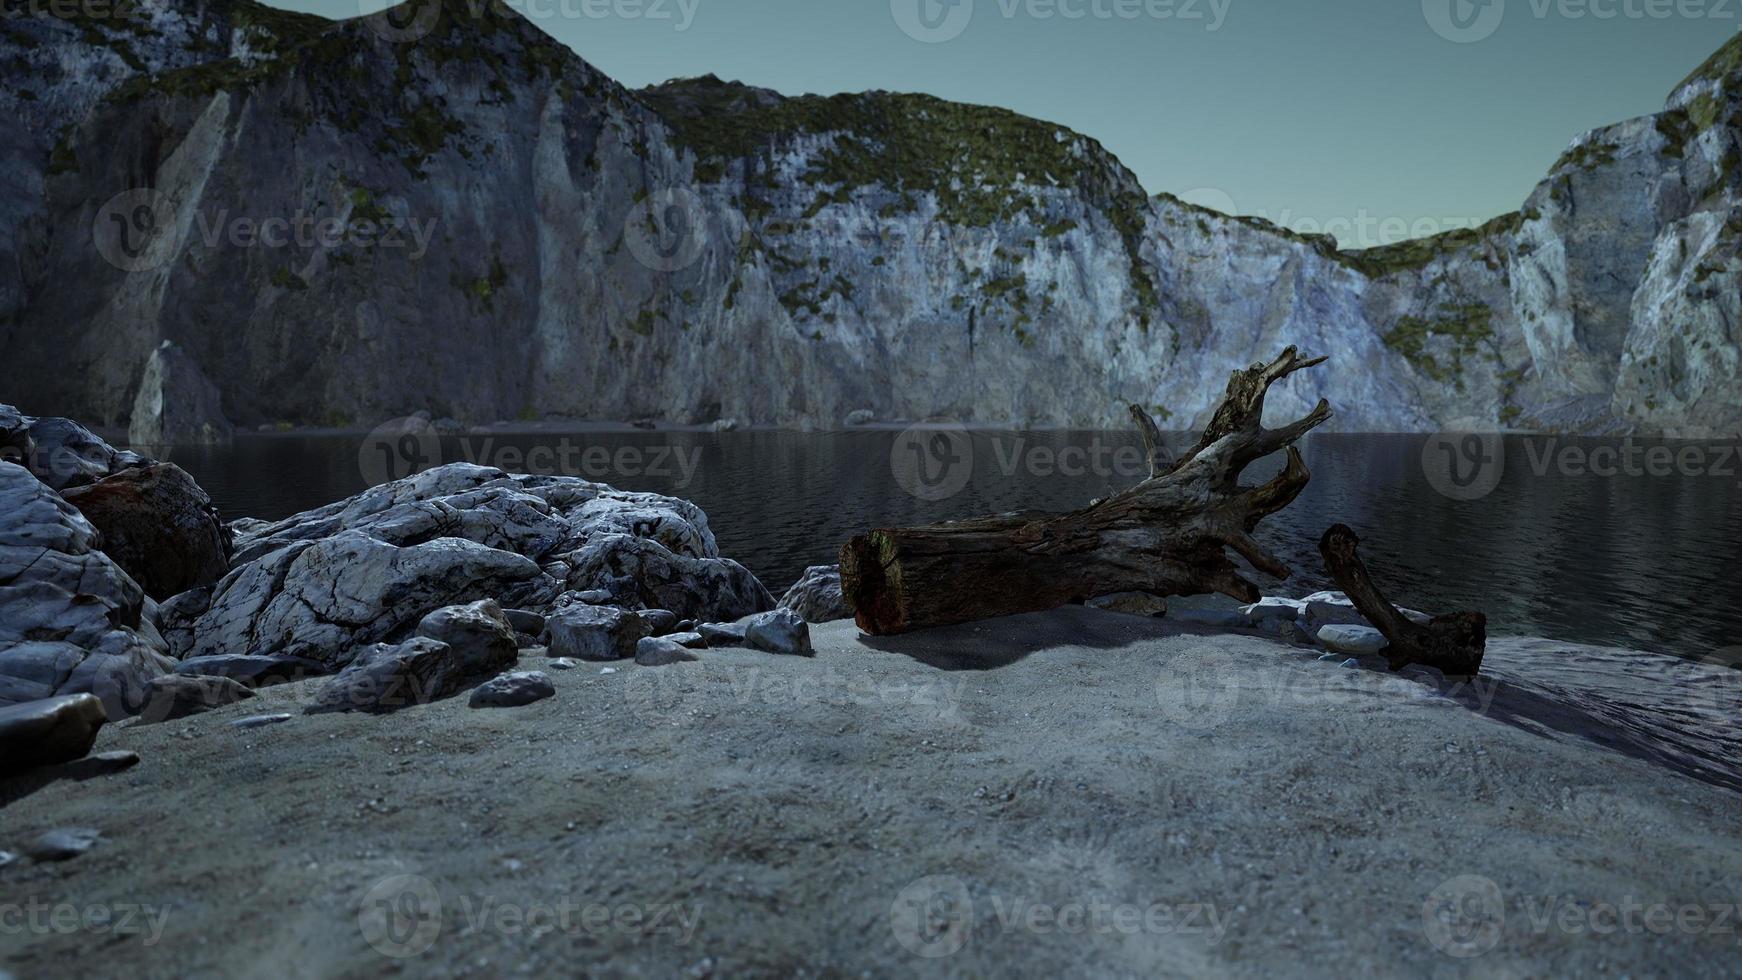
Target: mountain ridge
{"type": "Point", "coordinates": [884, 252]}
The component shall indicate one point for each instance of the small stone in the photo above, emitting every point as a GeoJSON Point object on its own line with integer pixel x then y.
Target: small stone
{"type": "Point", "coordinates": [658, 651]}
{"type": "Point", "coordinates": [259, 721]}
{"type": "Point", "coordinates": [595, 633]}
{"type": "Point", "coordinates": [99, 765]}
{"type": "Point", "coordinates": [693, 641]}
{"type": "Point", "coordinates": [563, 663]}
{"type": "Point", "coordinates": [1356, 641]}
{"type": "Point", "coordinates": [64, 844]}
{"type": "Point", "coordinates": [862, 416]}
{"type": "Point", "coordinates": [817, 595]}
{"type": "Point", "coordinates": [781, 631]}
{"type": "Point", "coordinates": [6, 858]}
{"type": "Point", "coordinates": [513, 690]}
{"type": "Point", "coordinates": [49, 731]}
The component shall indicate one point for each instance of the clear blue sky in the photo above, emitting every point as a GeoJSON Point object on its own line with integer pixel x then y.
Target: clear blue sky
{"type": "Point", "coordinates": [1303, 111]}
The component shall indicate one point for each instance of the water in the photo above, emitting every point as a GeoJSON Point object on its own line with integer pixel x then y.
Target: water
{"type": "Point", "coordinates": [1639, 561]}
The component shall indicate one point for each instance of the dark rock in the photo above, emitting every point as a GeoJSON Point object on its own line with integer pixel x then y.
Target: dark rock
{"type": "Point", "coordinates": [479, 633]}
{"type": "Point", "coordinates": [513, 690]}
{"type": "Point", "coordinates": [595, 633]}
{"type": "Point", "coordinates": [101, 764]}
{"type": "Point", "coordinates": [523, 621]}
{"type": "Point", "coordinates": [177, 405]}
{"type": "Point", "coordinates": [176, 617]}
{"type": "Point", "coordinates": [722, 634]}
{"type": "Point", "coordinates": [691, 640]}
{"type": "Point", "coordinates": [64, 844]}
{"type": "Point", "coordinates": [387, 678]}
{"type": "Point", "coordinates": [659, 621]}
{"type": "Point", "coordinates": [159, 525]}
{"type": "Point", "coordinates": [657, 651]}
{"type": "Point", "coordinates": [780, 631]}
{"type": "Point", "coordinates": [817, 595]}
{"type": "Point", "coordinates": [66, 454]}
{"type": "Point", "coordinates": [43, 733]}
{"type": "Point", "coordinates": [175, 696]}
{"type": "Point", "coordinates": [252, 671]}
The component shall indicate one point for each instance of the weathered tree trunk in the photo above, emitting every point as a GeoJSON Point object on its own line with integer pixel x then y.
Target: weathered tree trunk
{"type": "Point", "coordinates": [1164, 536]}
{"type": "Point", "coordinates": [1453, 643]}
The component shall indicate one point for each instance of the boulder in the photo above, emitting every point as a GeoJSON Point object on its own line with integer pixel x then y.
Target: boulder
{"type": "Point", "coordinates": [62, 453]}
{"type": "Point", "coordinates": [692, 640]}
{"type": "Point", "coordinates": [175, 696]}
{"type": "Point", "coordinates": [659, 621]}
{"type": "Point", "coordinates": [657, 651]}
{"type": "Point", "coordinates": [478, 632]}
{"type": "Point", "coordinates": [817, 595]}
{"type": "Point", "coordinates": [252, 671]}
{"type": "Point", "coordinates": [1130, 604]}
{"type": "Point", "coordinates": [50, 731]}
{"type": "Point", "coordinates": [159, 525]}
{"type": "Point", "coordinates": [780, 631]}
{"type": "Point", "coordinates": [513, 690]}
{"type": "Point", "coordinates": [329, 582]}
{"type": "Point", "coordinates": [525, 621]}
{"type": "Point", "coordinates": [595, 633]}
{"type": "Point", "coordinates": [71, 620]}
{"type": "Point", "coordinates": [177, 405]}
{"type": "Point", "coordinates": [387, 678]}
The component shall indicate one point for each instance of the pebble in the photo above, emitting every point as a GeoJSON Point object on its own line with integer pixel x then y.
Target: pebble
{"type": "Point", "coordinates": [563, 663]}
{"type": "Point", "coordinates": [64, 844]}
{"type": "Point", "coordinates": [260, 721]}
{"type": "Point", "coordinates": [6, 858]}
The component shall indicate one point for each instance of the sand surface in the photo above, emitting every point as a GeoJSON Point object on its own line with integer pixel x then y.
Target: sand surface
{"type": "Point", "coordinates": [1074, 793]}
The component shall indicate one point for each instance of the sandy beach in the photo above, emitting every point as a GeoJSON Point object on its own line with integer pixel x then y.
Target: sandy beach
{"type": "Point", "coordinates": [1067, 793]}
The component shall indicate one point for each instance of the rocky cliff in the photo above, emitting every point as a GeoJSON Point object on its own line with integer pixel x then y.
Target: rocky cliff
{"type": "Point", "coordinates": [443, 209]}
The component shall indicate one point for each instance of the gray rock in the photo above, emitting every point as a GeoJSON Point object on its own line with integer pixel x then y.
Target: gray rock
{"type": "Point", "coordinates": [525, 621]}
{"type": "Point", "coordinates": [330, 582]}
{"type": "Point", "coordinates": [1356, 641]}
{"type": "Point", "coordinates": [66, 454]}
{"type": "Point", "coordinates": [657, 651]}
{"type": "Point", "coordinates": [252, 671]}
{"type": "Point", "coordinates": [691, 640]}
{"type": "Point", "coordinates": [63, 844]}
{"type": "Point", "coordinates": [1131, 604]}
{"type": "Point", "coordinates": [386, 678]}
{"type": "Point", "coordinates": [479, 633]}
{"type": "Point", "coordinates": [175, 696]}
{"type": "Point", "coordinates": [43, 733]}
{"type": "Point", "coordinates": [513, 690]}
{"type": "Point", "coordinates": [177, 405]}
{"type": "Point", "coordinates": [659, 621]}
{"type": "Point", "coordinates": [260, 721]}
{"type": "Point", "coordinates": [71, 621]}
{"type": "Point", "coordinates": [863, 416]}
{"type": "Point", "coordinates": [563, 663]}
{"type": "Point", "coordinates": [780, 631]}
{"type": "Point", "coordinates": [595, 633]}
{"type": "Point", "coordinates": [1335, 609]}
{"type": "Point", "coordinates": [817, 597]}
{"type": "Point", "coordinates": [99, 765]}
{"type": "Point", "coordinates": [1269, 613]}
{"type": "Point", "coordinates": [7, 858]}
{"type": "Point", "coordinates": [722, 634]}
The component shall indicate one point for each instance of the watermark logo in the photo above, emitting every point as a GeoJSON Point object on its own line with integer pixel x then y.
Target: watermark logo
{"type": "Point", "coordinates": [667, 232]}
{"type": "Point", "coordinates": [1464, 21]}
{"type": "Point", "coordinates": [397, 449]}
{"type": "Point", "coordinates": [1465, 917]}
{"type": "Point", "coordinates": [135, 230]}
{"type": "Point", "coordinates": [932, 21]}
{"type": "Point", "coordinates": [116, 921]}
{"type": "Point", "coordinates": [1463, 463]}
{"type": "Point", "coordinates": [401, 916]}
{"type": "Point", "coordinates": [1198, 695]}
{"type": "Point", "coordinates": [1716, 699]}
{"type": "Point", "coordinates": [933, 917]}
{"type": "Point", "coordinates": [933, 460]}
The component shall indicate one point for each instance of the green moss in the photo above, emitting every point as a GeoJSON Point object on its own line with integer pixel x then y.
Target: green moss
{"type": "Point", "coordinates": [1587, 156]}
{"type": "Point", "coordinates": [1720, 65]}
{"type": "Point", "coordinates": [1057, 228]}
{"type": "Point", "coordinates": [1467, 327]}
{"type": "Point", "coordinates": [643, 323]}
{"type": "Point", "coordinates": [484, 288]}
{"type": "Point", "coordinates": [1420, 252]}
{"type": "Point", "coordinates": [285, 279]}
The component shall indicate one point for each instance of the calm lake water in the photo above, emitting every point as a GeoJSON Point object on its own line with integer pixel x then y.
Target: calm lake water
{"type": "Point", "coordinates": [1595, 541]}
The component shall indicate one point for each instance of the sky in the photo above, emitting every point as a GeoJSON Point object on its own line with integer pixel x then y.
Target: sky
{"type": "Point", "coordinates": [1374, 120]}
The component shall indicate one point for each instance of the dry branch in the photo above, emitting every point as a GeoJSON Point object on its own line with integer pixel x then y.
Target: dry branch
{"type": "Point", "coordinates": [1453, 643]}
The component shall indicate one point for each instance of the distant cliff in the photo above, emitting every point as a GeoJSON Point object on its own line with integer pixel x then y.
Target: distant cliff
{"type": "Point", "coordinates": [471, 220]}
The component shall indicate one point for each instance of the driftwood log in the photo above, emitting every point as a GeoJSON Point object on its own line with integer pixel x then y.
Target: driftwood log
{"type": "Point", "coordinates": [1453, 643]}
{"type": "Point", "coordinates": [1165, 536]}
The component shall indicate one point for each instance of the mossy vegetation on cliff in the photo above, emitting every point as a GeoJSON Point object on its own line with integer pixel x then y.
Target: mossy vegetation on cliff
{"type": "Point", "coordinates": [1466, 327]}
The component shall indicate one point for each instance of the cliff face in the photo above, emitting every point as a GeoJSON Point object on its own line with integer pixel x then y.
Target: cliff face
{"type": "Point", "coordinates": [521, 236]}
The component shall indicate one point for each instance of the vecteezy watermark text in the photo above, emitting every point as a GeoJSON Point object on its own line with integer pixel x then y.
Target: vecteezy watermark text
{"type": "Point", "coordinates": [404, 447]}
{"type": "Point", "coordinates": [937, 21]}
{"type": "Point", "coordinates": [1465, 464]}
{"type": "Point", "coordinates": [1466, 916]}
{"type": "Point", "coordinates": [35, 917]}
{"type": "Point", "coordinates": [1469, 21]}
{"type": "Point", "coordinates": [304, 230]}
